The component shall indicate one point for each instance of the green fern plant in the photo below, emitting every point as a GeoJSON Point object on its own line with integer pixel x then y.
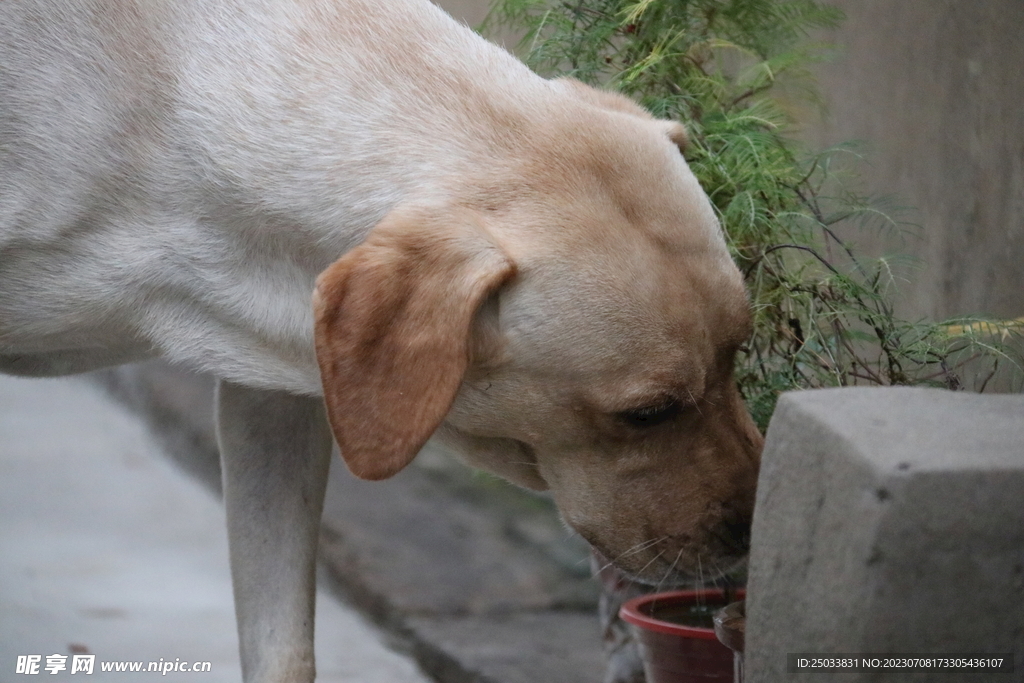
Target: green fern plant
{"type": "Point", "coordinates": [732, 71]}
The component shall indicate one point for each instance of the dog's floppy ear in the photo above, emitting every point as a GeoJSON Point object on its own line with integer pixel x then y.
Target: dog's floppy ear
{"type": "Point", "coordinates": [393, 326]}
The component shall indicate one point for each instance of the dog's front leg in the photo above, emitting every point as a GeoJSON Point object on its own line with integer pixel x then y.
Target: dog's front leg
{"type": "Point", "coordinates": [275, 451]}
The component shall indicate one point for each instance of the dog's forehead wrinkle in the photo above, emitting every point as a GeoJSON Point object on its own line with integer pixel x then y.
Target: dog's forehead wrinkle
{"type": "Point", "coordinates": [630, 362]}
{"type": "Point", "coordinates": [621, 165]}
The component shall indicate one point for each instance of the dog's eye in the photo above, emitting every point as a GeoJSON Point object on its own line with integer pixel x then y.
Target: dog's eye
{"type": "Point", "coordinates": [649, 416]}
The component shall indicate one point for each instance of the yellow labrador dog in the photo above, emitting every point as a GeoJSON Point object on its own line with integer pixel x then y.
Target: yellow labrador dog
{"type": "Point", "coordinates": [369, 222]}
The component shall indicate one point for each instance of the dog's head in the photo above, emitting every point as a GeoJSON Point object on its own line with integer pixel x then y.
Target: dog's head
{"type": "Point", "coordinates": [570, 323]}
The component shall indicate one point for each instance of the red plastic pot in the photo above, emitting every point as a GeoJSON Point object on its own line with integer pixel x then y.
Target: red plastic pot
{"type": "Point", "coordinates": [677, 653]}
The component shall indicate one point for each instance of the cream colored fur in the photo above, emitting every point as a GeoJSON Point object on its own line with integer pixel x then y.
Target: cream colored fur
{"type": "Point", "coordinates": [362, 215]}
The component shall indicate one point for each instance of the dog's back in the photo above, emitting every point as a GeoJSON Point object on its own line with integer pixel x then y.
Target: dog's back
{"type": "Point", "coordinates": [84, 86]}
{"type": "Point", "coordinates": [175, 174]}
{"type": "Point", "coordinates": [81, 89]}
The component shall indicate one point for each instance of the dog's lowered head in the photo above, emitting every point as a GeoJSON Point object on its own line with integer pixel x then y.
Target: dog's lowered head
{"type": "Point", "coordinates": [569, 321]}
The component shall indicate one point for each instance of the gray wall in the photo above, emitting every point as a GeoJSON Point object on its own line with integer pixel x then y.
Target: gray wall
{"type": "Point", "coordinates": [935, 90]}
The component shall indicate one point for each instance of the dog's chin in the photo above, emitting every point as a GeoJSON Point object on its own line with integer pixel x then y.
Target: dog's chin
{"type": "Point", "coordinates": [716, 572]}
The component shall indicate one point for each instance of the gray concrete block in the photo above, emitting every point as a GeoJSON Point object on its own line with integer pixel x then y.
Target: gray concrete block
{"type": "Point", "coordinates": [888, 521]}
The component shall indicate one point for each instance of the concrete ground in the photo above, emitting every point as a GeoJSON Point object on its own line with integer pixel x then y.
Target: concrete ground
{"type": "Point", "coordinates": [107, 548]}
{"type": "Point", "coordinates": [111, 541]}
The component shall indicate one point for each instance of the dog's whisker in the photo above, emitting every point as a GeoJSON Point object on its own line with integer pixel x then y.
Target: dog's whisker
{"type": "Point", "coordinates": [653, 560]}
{"type": "Point", "coordinates": [716, 575]}
{"type": "Point", "coordinates": [671, 568]}
{"type": "Point", "coordinates": [701, 598]}
{"type": "Point", "coordinates": [639, 547]}
{"type": "Point", "coordinates": [643, 545]}
{"type": "Point", "coordinates": [696, 406]}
